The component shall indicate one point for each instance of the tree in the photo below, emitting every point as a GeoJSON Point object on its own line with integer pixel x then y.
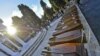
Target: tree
{"type": "Point", "coordinates": [48, 12]}
{"type": "Point", "coordinates": [54, 6]}
{"type": "Point", "coordinates": [16, 21]}
{"type": "Point", "coordinates": [2, 27]}
{"type": "Point", "coordinates": [22, 29]}
{"type": "Point", "coordinates": [57, 4]}
{"type": "Point", "coordinates": [30, 17]}
{"type": "Point", "coordinates": [1, 21]}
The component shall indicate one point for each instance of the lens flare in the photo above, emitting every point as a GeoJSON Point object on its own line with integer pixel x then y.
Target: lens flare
{"type": "Point", "coordinates": [11, 30]}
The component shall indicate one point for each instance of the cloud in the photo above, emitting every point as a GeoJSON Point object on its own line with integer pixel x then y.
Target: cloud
{"type": "Point", "coordinates": [8, 19]}
{"type": "Point", "coordinates": [35, 8]}
{"type": "Point", "coordinates": [16, 13]}
{"type": "Point", "coordinates": [47, 2]}
{"type": "Point", "coordinates": [38, 10]}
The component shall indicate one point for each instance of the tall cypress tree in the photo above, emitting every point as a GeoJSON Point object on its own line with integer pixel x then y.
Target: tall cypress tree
{"type": "Point", "coordinates": [30, 17]}
{"type": "Point", "coordinates": [47, 11]}
{"type": "Point", "coordinates": [57, 4]}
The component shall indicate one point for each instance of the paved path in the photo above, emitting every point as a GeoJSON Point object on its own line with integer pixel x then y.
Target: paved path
{"type": "Point", "coordinates": [46, 39]}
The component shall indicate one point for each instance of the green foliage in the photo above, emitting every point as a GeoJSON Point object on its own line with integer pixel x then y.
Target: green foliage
{"type": "Point", "coordinates": [48, 12]}
{"type": "Point", "coordinates": [57, 4]}
{"type": "Point", "coordinates": [16, 21]}
{"type": "Point", "coordinates": [1, 21]}
{"type": "Point", "coordinates": [30, 17]}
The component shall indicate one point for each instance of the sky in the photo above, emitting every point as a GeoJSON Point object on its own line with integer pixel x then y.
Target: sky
{"type": "Point", "coordinates": [8, 8]}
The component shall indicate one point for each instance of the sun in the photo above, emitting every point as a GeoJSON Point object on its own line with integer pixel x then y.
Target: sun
{"type": "Point", "coordinates": [11, 30]}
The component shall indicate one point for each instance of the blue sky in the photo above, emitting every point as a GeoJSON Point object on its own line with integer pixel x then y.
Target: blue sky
{"type": "Point", "coordinates": [8, 8]}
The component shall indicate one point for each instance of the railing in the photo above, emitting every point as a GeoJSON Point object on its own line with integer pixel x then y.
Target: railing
{"type": "Point", "coordinates": [35, 45]}
{"type": "Point", "coordinates": [92, 46]}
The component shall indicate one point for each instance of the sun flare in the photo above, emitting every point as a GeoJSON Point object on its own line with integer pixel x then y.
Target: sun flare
{"type": "Point", "coordinates": [11, 30]}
